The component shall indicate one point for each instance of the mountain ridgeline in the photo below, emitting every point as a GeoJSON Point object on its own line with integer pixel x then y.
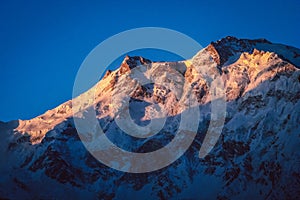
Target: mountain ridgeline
{"type": "Point", "coordinates": [256, 155]}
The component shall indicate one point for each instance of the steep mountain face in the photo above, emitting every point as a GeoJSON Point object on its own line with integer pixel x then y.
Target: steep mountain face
{"type": "Point", "coordinates": [229, 49]}
{"type": "Point", "coordinates": [256, 156]}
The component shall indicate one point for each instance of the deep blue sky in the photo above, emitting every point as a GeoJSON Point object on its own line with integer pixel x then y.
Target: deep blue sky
{"type": "Point", "coordinates": [43, 43]}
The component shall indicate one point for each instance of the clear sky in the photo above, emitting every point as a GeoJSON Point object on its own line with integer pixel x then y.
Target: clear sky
{"type": "Point", "coordinates": [43, 43]}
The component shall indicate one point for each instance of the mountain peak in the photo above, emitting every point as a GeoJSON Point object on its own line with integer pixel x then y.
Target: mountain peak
{"type": "Point", "coordinates": [227, 50]}
{"type": "Point", "coordinates": [131, 62]}
{"type": "Point", "coordinates": [227, 39]}
{"type": "Point", "coordinates": [233, 39]}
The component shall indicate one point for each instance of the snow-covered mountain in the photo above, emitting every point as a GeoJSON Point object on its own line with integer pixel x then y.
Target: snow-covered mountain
{"type": "Point", "coordinates": [256, 157]}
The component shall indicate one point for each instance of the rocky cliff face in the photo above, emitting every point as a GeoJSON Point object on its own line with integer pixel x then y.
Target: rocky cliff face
{"type": "Point", "coordinates": [256, 155]}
